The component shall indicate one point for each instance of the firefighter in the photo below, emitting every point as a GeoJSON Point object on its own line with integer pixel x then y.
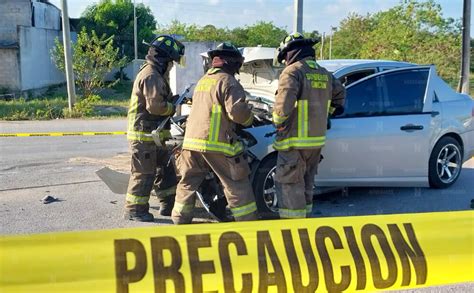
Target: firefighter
{"type": "Point", "coordinates": [307, 93]}
{"type": "Point", "coordinates": [151, 102]}
{"type": "Point", "coordinates": [211, 141]}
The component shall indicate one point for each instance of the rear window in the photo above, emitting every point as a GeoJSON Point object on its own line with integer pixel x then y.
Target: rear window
{"type": "Point", "coordinates": [404, 91]}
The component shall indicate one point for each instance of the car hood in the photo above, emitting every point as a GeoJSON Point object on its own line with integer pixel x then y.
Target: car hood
{"type": "Point", "coordinates": [258, 75]}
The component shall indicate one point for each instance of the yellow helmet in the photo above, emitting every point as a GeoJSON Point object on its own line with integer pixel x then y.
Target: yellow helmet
{"type": "Point", "coordinates": [293, 41]}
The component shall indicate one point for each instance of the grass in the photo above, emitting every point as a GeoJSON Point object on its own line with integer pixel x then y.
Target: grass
{"type": "Point", "coordinates": [111, 102]}
{"type": "Point", "coordinates": [471, 85]}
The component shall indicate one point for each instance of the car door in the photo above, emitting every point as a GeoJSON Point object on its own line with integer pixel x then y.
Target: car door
{"type": "Point", "coordinates": [382, 138]}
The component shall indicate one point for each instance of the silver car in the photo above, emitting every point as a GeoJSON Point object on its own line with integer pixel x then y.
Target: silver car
{"type": "Point", "coordinates": [402, 126]}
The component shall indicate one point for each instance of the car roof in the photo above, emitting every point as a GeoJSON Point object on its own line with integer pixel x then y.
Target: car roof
{"type": "Point", "coordinates": [266, 53]}
{"type": "Point", "coordinates": [335, 65]}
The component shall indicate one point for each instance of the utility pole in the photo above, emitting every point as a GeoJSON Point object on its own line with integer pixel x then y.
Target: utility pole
{"type": "Point", "coordinates": [71, 91]}
{"type": "Point", "coordinates": [330, 46]}
{"type": "Point", "coordinates": [321, 55]}
{"type": "Point", "coordinates": [298, 16]}
{"type": "Point", "coordinates": [333, 29]}
{"type": "Point", "coordinates": [466, 47]}
{"type": "Point", "coordinates": [135, 30]}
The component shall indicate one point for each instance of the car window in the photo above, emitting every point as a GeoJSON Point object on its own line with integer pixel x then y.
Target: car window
{"type": "Point", "coordinates": [387, 94]}
{"type": "Point", "coordinates": [364, 99]}
{"type": "Point", "coordinates": [355, 76]}
{"type": "Point", "coordinates": [403, 92]}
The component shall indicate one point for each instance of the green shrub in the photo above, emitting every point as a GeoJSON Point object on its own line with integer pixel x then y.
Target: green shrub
{"type": "Point", "coordinates": [40, 109]}
{"type": "Point", "coordinates": [83, 108]}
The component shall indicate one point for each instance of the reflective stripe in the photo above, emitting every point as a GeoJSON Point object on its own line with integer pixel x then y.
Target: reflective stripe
{"type": "Point", "coordinates": [135, 199]}
{"type": "Point", "coordinates": [303, 124]}
{"type": "Point", "coordinates": [166, 192]}
{"type": "Point", "coordinates": [133, 134]}
{"type": "Point", "coordinates": [215, 126]}
{"type": "Point", "coordinates": [202, 145]}
{"type": "Point", "coordinates": [292, 214]}
{"type": "Point", "coordinates": [277, 119]}
{"type": "Point", "coordinates": [330, 109]}
{"type": "Point", "coordinates": [183, 208]}
{"type": "Point", "coordinates": [309, 208]}
{"type": "Point", "coordinates": [213, 70]}
{"type": "Point", "coordinates": [302, 142]}
{"type": "Point", "coordinates": [249, 121]}
{"type": "Point", "coordinates": [139, 136]}
{"type": "Point", "coordinates": [244, 210]}
{"type": "Point", "coordinates": [169, 109]}
{"type": "Point", "coordinates": [132, 112]}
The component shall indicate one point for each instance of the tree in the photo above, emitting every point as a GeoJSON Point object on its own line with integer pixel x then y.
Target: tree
{"type": "Point", "coordinates": [93, 58]}
{"type": "Point", "coordinates": [115, 17]}
{"type": "Point", "coordinates": [350, 37]}
{"type": "Point", "coordinates": [260, 33]}
{"type": "Point", "coordinates": [413, 31]}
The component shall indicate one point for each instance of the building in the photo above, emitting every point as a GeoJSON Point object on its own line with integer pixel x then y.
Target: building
{"type": "Point", "coordinates": [28, 29]}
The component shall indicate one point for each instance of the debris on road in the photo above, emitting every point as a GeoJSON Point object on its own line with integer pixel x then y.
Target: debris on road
{"type": "Point", "coordinates": [49, 199]}
{"type": "Point", "coordinates": [113, 202]}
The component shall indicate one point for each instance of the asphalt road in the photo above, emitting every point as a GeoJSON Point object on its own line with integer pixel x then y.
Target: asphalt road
{"type": "Point", "coordinates": [63, 167]}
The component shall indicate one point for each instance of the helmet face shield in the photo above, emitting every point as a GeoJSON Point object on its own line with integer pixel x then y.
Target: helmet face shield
{"type": "Point", "coordinates": [181, 61]}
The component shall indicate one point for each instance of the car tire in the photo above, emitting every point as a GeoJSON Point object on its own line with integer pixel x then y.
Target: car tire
{"type": "Point", "coordinates": [260, 184]}
{"type": "Point", "coordinates": [445, 163]}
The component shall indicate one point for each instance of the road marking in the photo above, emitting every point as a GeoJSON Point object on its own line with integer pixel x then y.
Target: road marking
{"type": "Point", "coordinates": [62, 133]}
{"type": "Point", "coordinates": [50, 185]}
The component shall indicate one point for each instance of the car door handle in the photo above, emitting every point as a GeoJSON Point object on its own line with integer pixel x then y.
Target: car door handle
{"type": "Point", "coordinates": [409, 127]}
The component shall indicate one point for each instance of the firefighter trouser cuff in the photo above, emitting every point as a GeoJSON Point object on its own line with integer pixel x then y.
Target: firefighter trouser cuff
{"type": "Point", "coordinates": [182, 213]}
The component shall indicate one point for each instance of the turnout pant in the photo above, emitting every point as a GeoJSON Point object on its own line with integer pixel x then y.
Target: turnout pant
{"type": "Point", "coordinates": [150, 168]}
{"type": "Point", "coordinates": [232, 173]}
{"type": "Point", "coordinates": [294, 178]}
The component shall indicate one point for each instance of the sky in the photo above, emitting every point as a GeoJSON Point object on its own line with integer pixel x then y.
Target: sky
{"type": "Point", "coordinates": [318, 15]}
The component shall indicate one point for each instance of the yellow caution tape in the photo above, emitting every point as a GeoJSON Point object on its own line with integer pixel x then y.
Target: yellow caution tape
{"type": "Point", "coordinates": [62, 133]}
{"type": "Point", "coordinates": [369, 253]}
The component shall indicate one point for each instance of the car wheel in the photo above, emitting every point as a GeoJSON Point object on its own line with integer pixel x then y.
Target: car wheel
{"type": "Point", "coordinates": [264, 189]}
{"type": "Point", "coordinates": [445, 163]}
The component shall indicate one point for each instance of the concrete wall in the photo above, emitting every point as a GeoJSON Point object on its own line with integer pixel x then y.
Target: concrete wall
{"type": "Point", "coordinates": [37, 69]}
{"type": "Point", "coordinates": [9, 70]}
{"type": "Point", "coordinates": [12, 14]}
{"type": "Point", "coordinates": [46, 16]}
{"type": "Point", "coordinates": [180, 77]}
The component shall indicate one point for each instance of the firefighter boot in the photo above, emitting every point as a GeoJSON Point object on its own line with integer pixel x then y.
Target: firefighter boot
{"type": "Point", "coordinates": [138, 213]}
{"type": "Point", "coordinates": [166, 205]}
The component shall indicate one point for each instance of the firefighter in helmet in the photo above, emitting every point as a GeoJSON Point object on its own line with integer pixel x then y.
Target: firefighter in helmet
{"type": "Point", "coordinates": [210, 141]}
{"type": "Point", "coordinates": [151, 102]}
{"type": "Point", "coordinates": [307, 94]}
